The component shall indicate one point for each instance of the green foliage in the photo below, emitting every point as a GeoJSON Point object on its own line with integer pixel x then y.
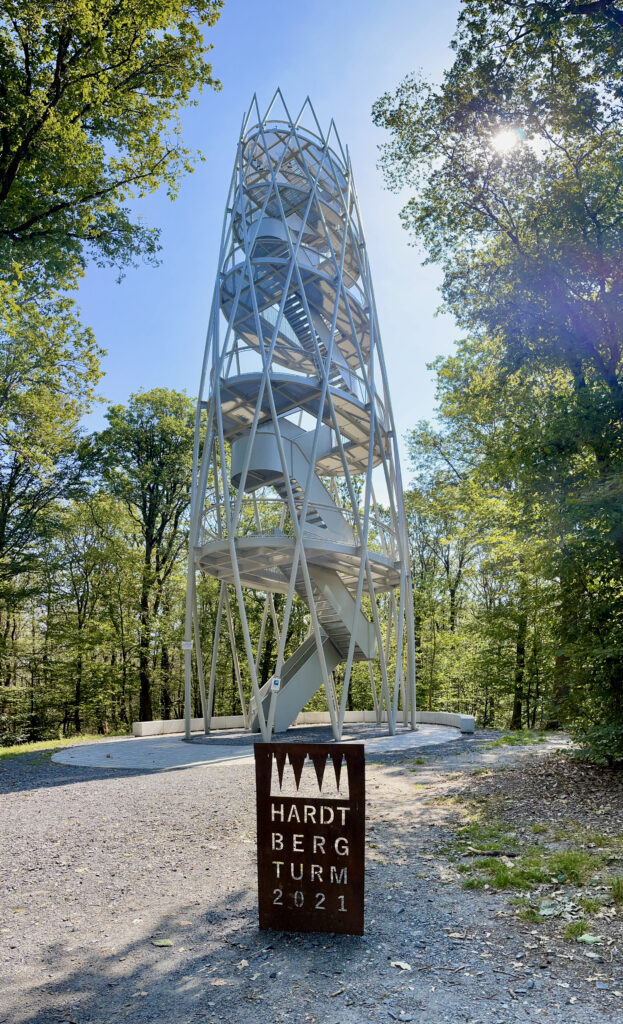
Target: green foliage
{"type": "Point", "coordinates": [92, 534]}
{"type": "Point", "coordinates": [515, 173]}
{"type": "Point", "coordinates": [483, 609]}
{"type": "Point", "coordinates": [603, 744]}
{"type": "Point", "coordinates": [574, 929]}
{"type": "Point", "coordinates": [574, 866]}
{"type": "Point", "coordinates": [520, 738]}
{"type": "Point", "coordinates": [49, 366]}
{"type": "Point", "coordinates": [90, 104]}
{"type": "Point", "coordinates": [145, 458]}
{"type": "Point", "coordinates": [617, 889]}
{"type": "Point", "coordinates": [44, 746]}
{"type": "Point", "coordinates": [524, 874]}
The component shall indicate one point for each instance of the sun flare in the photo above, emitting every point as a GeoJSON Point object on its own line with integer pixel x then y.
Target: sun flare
{"type": "Point", "coordinates": [505, 140]}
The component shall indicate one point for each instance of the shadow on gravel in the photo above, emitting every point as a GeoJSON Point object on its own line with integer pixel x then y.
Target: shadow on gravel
{"type": "Point", "coordinates": [219, 967]}
{"type": "Point", "coordinates": [26, 772]}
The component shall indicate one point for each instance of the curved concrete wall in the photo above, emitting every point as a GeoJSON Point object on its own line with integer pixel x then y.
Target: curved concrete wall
{"type": "Point", "coordinates": [454, 721]}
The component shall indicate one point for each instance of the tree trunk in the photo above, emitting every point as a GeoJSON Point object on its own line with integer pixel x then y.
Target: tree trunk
{"type": "Point", "coordinates": [267, 656]}
{"type": "Point", "coordinates": [165, 666]}
{"type": "Point", "coordinates": [78, 695]}
{"type": "Point", "coordinates": [560, 689]}
{"type": "Point", "coordinates": [452, 609]}
{"type": "Point", "coordinates": [144, 661]}
{"type": "Point", "coordinates": [520, 661]}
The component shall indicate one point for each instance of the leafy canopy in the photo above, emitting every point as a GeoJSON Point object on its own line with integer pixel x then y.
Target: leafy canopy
{"type": "Point", "coordinates": [49, 368]}
{"type": "Point", "coordinates": [89, 106]}
{"type": "Point", "coordinates": [514, 171]}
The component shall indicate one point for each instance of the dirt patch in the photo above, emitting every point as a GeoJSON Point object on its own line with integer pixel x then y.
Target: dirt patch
{"type": "Point", "coordinates": [555, 789]}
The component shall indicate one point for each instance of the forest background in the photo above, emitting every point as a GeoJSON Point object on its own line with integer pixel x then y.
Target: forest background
{"type": "Point", "coordinates": [513, 166]}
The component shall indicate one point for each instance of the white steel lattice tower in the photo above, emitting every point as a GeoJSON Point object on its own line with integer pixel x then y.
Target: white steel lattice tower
{"type": "Point", "coordinates": [295, 438]}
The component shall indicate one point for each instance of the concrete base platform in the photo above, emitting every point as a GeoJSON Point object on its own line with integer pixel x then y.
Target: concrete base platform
{"type": "Point", "coordinates": [465, 723]}
{"type": "Point", "coordinates": [166, 753]}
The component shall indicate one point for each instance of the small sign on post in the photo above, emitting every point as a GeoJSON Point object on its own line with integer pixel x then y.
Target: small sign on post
{"type": "Point", "coordinates": [187, 645]}
{"type": "Point", "coordinates": [310, 836]}
{"type": "Point", "coordinates": [275, 684]}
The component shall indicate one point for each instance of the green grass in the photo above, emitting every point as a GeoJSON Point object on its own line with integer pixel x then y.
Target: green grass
{"type": "Point", "coordinates": [534, 866]}
{"type": "Point", "coordinates": [531, 863]}
{"type": "Point", "coordinates": [574, 866]}
{"type": "Point", "coordinates": [44, 745]}
{"type": "Point", "coordinates": [530, 914]}
{"type": "Point", "coordinates": [574, 929]}
{"type": "Point", "coordinates": [524, 874]}
{"type": "Point", "coordinates": [593, 837]}
{"type": "Point", "coordinates": [617, 889]}
{"type": "Point", "coordinates": [474, 883]}
{"type": "Point", "coordinates": [486, 837]}
{"type": "Point", "coordinates": [590, 905]}
{"type": "Point", "coordinates": [519, 738]}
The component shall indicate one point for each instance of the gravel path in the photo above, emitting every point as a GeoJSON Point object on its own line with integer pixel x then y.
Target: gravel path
{"type": "Point", "coordinates": [97, 863]}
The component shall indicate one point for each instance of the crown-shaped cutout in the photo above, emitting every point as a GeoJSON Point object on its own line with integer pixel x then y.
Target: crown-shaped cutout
{"type": "Point", "coordinates": [315, 776]}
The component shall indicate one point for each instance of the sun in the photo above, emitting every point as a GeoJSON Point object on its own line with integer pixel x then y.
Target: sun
{"type": "Point", "coordinates": [505, 140]}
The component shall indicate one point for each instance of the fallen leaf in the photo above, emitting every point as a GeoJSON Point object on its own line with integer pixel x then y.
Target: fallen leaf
{"type": "Point", "coordinates": [401, 964]}
{"type": "Point", "coordinates": [161, 942]}
{"type": "Point", "coordinates": [549, 909]}
{"type": "Point", "coordinates": [243, 963]}
{"type": "Point", "coordinates": [589, 939]}
{"type": "Point", "coordinates": [220, 981]}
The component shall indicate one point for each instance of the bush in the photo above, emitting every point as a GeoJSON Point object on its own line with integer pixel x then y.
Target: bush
{"type": "Point", "coordinates": [602, 744]}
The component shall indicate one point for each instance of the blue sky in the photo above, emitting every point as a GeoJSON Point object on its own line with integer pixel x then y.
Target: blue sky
{"type": "Point", "coordinates": [343, 54]}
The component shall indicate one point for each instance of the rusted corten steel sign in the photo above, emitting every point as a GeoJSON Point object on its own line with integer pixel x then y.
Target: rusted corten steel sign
{"type": "Point", "coordinates": [310, 836]}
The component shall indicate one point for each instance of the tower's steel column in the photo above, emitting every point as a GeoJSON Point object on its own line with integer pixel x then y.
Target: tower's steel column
{"type": "Point", "coordinates": [296, 480]}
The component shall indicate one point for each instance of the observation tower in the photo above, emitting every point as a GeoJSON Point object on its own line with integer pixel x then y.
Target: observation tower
{"type": "Point", "coordinates": [296, 487]}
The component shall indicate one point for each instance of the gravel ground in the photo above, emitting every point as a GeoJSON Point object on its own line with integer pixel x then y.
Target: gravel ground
{"type": "Point", "coordinates": [97, 863]}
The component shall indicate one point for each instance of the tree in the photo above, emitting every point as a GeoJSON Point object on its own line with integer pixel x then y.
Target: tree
{"type": "Point", "coordinates": [90, 97]}
{"type": "Point", "coordinates": [483, 604]}
{"type": "Point", "coordinates": [89, 105]}
{"type": "Point", "coordinates": [145, 459]}
{"type": "Point", "coordinates": [49, 366]}
{"type": "Point", "coordinates": [516, 177]}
